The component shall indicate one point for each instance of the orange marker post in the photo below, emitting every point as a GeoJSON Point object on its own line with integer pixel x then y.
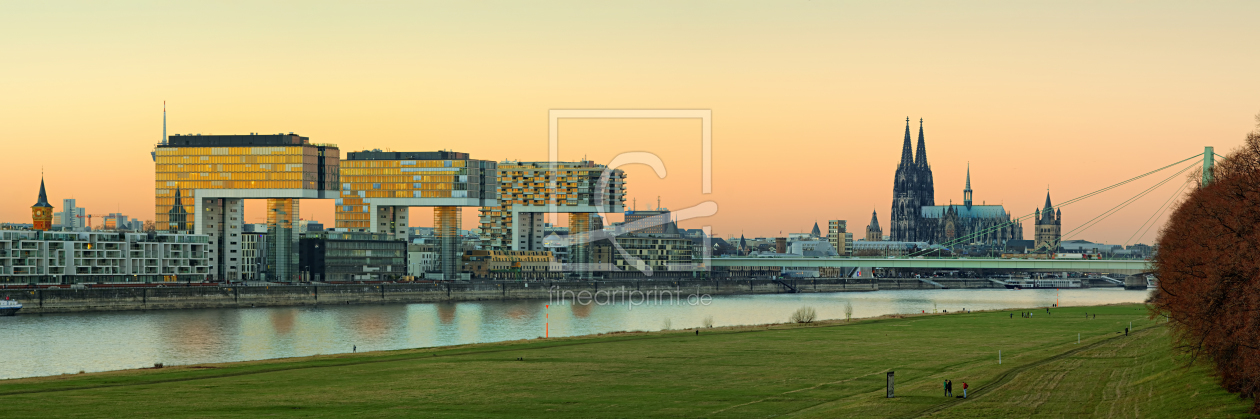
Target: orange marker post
{"type": "Point", "coordinates": [547, 331]}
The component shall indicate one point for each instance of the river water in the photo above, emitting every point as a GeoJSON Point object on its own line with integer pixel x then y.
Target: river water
{"type": "Point", "coordinates": [50, 344]}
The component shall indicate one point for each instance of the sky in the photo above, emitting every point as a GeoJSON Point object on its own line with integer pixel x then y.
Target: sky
{"type": "Point", "coordinates": [809, 98]}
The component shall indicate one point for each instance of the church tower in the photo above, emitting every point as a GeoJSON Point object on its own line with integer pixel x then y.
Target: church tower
{"type": "Point", "coordinates": [178, 216]}
{"type": "Point", "coordinates": [1049, 224]}
{"type": "Point", "coordinates": [873, 232]}
{"type": "Point", "coordinates": [927, 191]}
{"type": "Point", "coordinates": [42, 211]}
{"type": "Point", "coordinates": [967, 190]}
{"type": "Point", "coordinates": [905, 206]}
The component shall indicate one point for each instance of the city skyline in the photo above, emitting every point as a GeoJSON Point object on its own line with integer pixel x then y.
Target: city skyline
{"type": "Point", "coordinates": [808, 111]}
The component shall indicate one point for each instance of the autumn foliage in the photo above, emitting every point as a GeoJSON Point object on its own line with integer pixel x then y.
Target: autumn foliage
{"type": "Point", "coordinates": [1208, 264]}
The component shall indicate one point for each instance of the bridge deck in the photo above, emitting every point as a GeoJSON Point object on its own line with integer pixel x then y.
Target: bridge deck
{"type": "Point", "coordinates": [1025, 265]}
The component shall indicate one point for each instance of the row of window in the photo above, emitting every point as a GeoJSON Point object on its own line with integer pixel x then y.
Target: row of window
{"type": "Point", "coordinates": [239, 151]}
{"type": "Point", "coordinates": [348, 182]}
{"type": "Point", "coordinates": [232, 184]}
{"type": "Point", "coordinates": [263, 167]}
{"type": "Point", "coordinates": [235, 159]}
{"type": "Point", "coordinates": [171, 179]}
{"type": "Point", "coordinates": [404, 163]}
{"type": "Point", "coordinates": [404, 171]}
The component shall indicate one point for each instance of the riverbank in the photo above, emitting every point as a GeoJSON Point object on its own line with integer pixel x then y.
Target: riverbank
{"type": "Point", "coordinates": [41, 301]}
{"type": "Point", "coordinates": [829, 369]}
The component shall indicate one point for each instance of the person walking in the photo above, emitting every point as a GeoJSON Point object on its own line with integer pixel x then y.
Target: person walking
{"type": "Point", "coordinates": [945, 385]}
{"type": "Point", "coordinates": [964, 389]}
{"type": "Point", "coordinates": [949, 388]}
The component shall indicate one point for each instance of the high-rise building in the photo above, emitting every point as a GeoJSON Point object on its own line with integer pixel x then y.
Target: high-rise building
{"type": "Point", "coordinates": [42, 211]}
{"type": "Point", "coordinates": [203, 181]}
{"type": "Point", "coordinates": [1049, 227]}
{"type": "Point", "coordinates": [378, 187]}
{"type": "Point", "coordinates": [839, 237]}
{"type": "Point", "coordinates": [527, 190]}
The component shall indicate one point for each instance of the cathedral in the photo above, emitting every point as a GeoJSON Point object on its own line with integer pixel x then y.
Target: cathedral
{"type": "Point", "coordinates": [917, 218]}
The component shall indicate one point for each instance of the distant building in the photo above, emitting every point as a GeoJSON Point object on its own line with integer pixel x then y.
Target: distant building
{"type": "Point", "coordinates": [839, 237]}
{"type": "Point", "coordinates": [352, 256]}
{"type": "Point", "coordinates": [106, 257]}
{"type": "Point", "coordinates": [253, 261]}
{"type": "Point", "coordinates": [864, 248]}
{"type": "Point", "coordinates": [42, 211]}
{"type": "Point", "coordinates": [816, 232]}
{"type": "Point", "coordinates": [71, 217]}
{"type": "Point", "coordinates": [873, 232]}
{"type": "Point", "coordinates": [527, 190]}
{"type": "Point", "coordinates": [511, 264]}
{"type": "Point", "coordinates": [1049, 224]}
{"type": "Point", "coordinates": [421, 259]}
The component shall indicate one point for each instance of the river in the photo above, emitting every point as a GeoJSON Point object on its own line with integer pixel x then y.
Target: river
{"type": "Point", "coordinates": [51, 344]}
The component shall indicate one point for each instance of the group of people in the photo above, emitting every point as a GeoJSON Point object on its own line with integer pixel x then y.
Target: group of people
{"type": "Point", "coordinates": [949, 388]}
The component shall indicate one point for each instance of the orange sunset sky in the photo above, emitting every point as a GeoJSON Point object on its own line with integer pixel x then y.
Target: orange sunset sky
{"type": "Point", "coordinates": [809, 98]}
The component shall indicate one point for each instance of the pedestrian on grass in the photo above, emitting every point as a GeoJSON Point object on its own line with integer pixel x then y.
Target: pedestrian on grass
{"type": "Point", "coordinates": [355, 349]}
{"type": "Point", "coordinates": [945, 385]}
{"type": "Point", "coordinates": [964, 389]}
{"type": "Point", "coordinates": [949, 388]}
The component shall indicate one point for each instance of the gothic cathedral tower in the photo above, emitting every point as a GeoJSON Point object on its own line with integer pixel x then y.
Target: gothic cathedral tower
{"type": "Point", "coordinates": [42, 211]}
{"type": "Point", "coordinates": [905, 206]}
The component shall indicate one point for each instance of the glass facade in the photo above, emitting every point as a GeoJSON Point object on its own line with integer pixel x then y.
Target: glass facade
{"type": "Point", "coordinates": [192, 168]}
{"type": "Point", "coordinates": [282, 240]}
{"type": "Point", "coordinates": [446, 222]}
{"type": "Point", "coordinates": [370, 175]}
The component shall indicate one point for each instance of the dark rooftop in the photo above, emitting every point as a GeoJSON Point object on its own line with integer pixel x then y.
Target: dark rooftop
{"type": "Point", "coordinates": [235, 140]}
{"type": "Point", "coordinates": [406, 155]}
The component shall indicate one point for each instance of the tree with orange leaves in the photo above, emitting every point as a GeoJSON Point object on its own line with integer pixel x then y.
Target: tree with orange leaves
{"type": "Point", "coordinates": [1208, 265]}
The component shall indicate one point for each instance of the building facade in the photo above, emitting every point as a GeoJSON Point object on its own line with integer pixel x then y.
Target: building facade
{"type": "Point", "coordinates": [837, 234]}
{"type": "Point", "coordinates": [527, 190]}
{"type": "Point", "coordinates": [42, 211]}
{"type": "Point", "coordinates": [873, 232]}
{"type": "Point", "coordinates": [511, 264]}
{"type": "Point", "coordinates": [352, 256]}
{"type": "Point", "coordinates": [202, 182]}
{"type": "Point", "coordinates": [1049, 227]}
{"type": "Point", "coordinates": [39, 257]}
{"type": "Point", "coordinates": [378, 187]}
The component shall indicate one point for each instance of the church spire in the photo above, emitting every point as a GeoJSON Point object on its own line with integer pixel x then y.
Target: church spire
{"type": "Point", "coordinates": [967, 191]}
{"type": "Point", "coordinates": [920, 158]}
{"type": "Point", "coordinates": [907, 153]}
{"type": "Point", "coordinates": [874, 221]}
{"type": "Point", "coordinates": [43, 196]}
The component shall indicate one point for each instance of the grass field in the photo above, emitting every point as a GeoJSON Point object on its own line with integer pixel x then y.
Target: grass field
{"type": "Point", "coordinates": [832, 369]}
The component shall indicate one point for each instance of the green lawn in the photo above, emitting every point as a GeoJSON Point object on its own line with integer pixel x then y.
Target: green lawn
{"type": "Point", "coordinates": [823, 370]}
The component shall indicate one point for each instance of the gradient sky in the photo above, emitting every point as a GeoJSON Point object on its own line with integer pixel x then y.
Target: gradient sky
{"type": "Point", "coordinates": [809, 98]}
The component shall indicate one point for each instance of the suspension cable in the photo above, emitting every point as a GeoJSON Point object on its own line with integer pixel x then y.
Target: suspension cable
{"type": "Point", "coordinates": [1094, 221]}
{"type": "Point", "coordinates": [1064, 204]}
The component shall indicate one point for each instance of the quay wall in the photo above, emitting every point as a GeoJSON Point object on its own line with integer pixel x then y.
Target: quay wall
{"type": "Point", "coordinates": [232, 296]}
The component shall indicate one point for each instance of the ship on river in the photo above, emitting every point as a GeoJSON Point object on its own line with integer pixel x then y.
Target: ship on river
{"type": "Point", "coordinates": [9, 307]}
{"type": "Point", "coordinates": [1043, 283]}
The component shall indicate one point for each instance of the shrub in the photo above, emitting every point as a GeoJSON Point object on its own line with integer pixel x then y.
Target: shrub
{"type": "Point", "coordinates": [708, 321]}
{"type": "Point", "coordinates": [803, 315]}
{"type": "Point", "coordinates": [848, 311]}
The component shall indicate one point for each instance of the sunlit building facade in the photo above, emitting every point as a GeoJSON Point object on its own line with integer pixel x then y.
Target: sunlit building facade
{"type": "Point", "coordinates": [378, 187]}
{"type": "Point", "coordinates": [40, 257]}
{"type": "Point", "coordinates": [528, 190]}
{"type": "Point", "coordinates": [203, 180]}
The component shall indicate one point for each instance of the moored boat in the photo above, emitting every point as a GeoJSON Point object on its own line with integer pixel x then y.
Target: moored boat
{"type": "Point", "coordinates": [9, 307]}
{"type": "Point", "coordinates": [1043, 283]}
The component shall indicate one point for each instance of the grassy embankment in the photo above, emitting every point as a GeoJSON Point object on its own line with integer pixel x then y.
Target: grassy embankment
{"type": "Point", "coordinates": [832, 369]}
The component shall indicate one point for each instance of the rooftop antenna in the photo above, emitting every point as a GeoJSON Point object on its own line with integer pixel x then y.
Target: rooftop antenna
{"type": "Point", "coordinates": [163, 122]}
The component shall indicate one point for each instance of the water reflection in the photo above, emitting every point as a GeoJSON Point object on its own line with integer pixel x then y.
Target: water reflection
{"type": "Point", "coordinates": [34, 345]}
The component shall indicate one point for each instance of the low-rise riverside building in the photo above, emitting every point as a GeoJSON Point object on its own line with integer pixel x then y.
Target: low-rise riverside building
{"type": "Point", "coordinates": [512, 264]}
{"type": "Point", "coordinates": [352, 256]}
{"type": "Point", "coordinates": [52, 258]}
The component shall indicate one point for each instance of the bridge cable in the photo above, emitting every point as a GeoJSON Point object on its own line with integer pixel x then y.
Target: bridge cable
{"type": "Point", "coordinates": [1065, 203]}
{"type": "Point", "coordinates": [1148, 228]}
{"type": "Point", "coordinates": [1158, 212]}
{"type": "Point", "coordinates": [1098, 219]}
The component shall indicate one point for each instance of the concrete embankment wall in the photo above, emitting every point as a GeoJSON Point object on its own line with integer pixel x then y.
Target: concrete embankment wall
{"type": "Point", "coordinates": [165, 298]}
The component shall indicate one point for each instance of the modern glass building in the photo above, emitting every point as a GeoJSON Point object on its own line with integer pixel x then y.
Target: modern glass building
{"type": "Point", "coordinates": [378, 187]}
{"type": "Point", "coordinates": [203, 180]}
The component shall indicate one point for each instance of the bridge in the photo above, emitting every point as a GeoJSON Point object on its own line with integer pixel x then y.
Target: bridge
{"type": "Point", "coordinates": [987, 264]}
